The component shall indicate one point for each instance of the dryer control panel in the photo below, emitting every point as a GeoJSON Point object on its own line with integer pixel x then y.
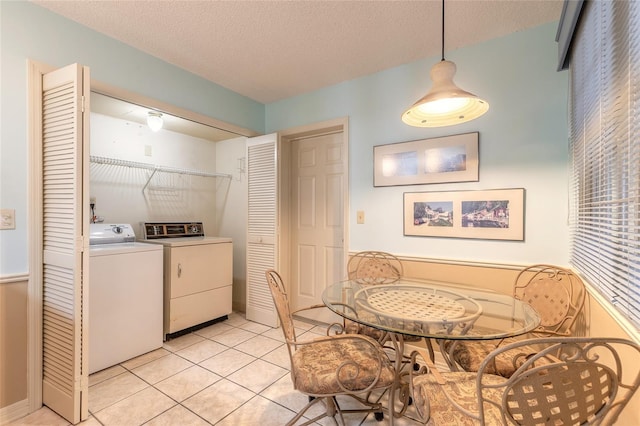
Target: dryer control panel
{"type": "Point", "coordinates": [158, 230]}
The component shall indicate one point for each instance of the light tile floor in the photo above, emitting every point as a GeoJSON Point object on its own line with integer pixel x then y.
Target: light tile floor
{"type": "Point", "coordinates": [232, 373]}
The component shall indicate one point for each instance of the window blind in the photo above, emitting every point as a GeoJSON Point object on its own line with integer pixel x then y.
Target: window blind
{"type": "Point", "coordinates": [604, 134]}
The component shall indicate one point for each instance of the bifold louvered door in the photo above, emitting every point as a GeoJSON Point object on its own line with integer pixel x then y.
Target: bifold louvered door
{"type": "Point", "coordinates": [65, 94]}
{"type": "Point", "coordinates": [262, 227]}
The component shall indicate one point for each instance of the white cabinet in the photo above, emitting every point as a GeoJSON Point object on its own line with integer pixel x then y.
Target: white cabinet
{"type": "Point", "coordinates": [198, 278]}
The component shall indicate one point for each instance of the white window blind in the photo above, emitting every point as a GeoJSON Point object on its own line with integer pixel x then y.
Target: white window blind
{"type": "Point", "coordinates": [604, 135]}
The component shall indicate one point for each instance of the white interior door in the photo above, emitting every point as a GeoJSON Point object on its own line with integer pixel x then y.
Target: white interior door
{"type": "Point", "coordinates": [262, 226]}
{"type": "Point", "coordinates": [65, 155]}
{"type": "Point", "coordinates": [317, 216]}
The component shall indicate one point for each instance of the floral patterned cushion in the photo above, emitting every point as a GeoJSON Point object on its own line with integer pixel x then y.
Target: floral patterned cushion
{"type": "Point", "coordinates": [469, 355]}
{"type": "Point", "coordinates": [352, 327]}
{"type": "Point", "coordinates": [315, 366]}
{"type": "Point", "coordinates": [431, 401]}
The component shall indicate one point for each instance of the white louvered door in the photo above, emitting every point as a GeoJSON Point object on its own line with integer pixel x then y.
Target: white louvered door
{"type": "Point", "coordinates": [65, 156]}
{"type": "Point", "coordinates": [262, 227]}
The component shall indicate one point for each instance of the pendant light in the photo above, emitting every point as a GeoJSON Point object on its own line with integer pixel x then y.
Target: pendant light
{"type": "Point", "coordinates": [154, 120]}
{"type": "Point", "coordinates": [445, 104]}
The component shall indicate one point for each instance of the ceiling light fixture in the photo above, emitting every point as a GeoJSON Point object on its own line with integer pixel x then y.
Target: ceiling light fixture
{"type": "Point", "coordinates": [154, 120]}
{"type": "Point", "coordinates": [445, 104]}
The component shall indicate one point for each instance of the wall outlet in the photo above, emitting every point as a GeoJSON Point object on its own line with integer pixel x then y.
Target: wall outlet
{"type": "Point", "coordinates": [7, 219]}
{"type": "Point", "coordinates": [148, 151]}
{"type": "Point", "coordinates": [360, 217]}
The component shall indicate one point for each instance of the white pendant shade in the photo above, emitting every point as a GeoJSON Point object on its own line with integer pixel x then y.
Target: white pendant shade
{"type": "Point", "coordinates": [446, 104]}
{"type": "Point", "coordinates": [154, 120]}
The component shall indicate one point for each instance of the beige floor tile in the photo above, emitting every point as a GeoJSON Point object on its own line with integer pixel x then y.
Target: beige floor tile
{"type": "Point", "coordinates": [91, 421]}
{"type": "Point", "coordinates": [43, 416]}
{"type": "Point", "coordinates": [136, 409]}
{"type": "Point", "coordinates": [107, 373]}
{"type": "Point", "coordinates": [283, 393]}
{"type": "Point", "coordinates": [213, 330]}
{"type": "Point", "coordinates": [233, 337]}
{"type": "Point", "coordinates": [143, 359]}
{"type": "Point", "coordinates": [227, 362]}
{"type": "Point", "coordinates": [258, 411]}
{"type": "Point", "coordinates": [162, 368]}
{"type": "Point", "coordinates": [258, 346]}
{"type": "Point", "coordinates": [258, 375]}
{"type": "Point", "coordinates": [320, 330]}
{"type": "Point", "coordinates": [302, 331]}
{"type": "Point", "coordinates": [279, 356]}
{"type": "Point", "coordinates": [174, 345]}
{"type": "Point", "coordinates": [200, 351]}
{"type": "Point", "coordinates": [236, 319]}
{"type": "Point", "coordinates": [187, 383]}
{"type": "Point", "coordinates": [275, 334]}
{"type": "Point", "coordinates": [113, 390]}
{"type": "Point", "coordinates": [302, 325]}
{"type": "Point", "coordinates": [218, 400]}
{"type": "Point", "coordinates": [255, 327]}
{"type": "Point", "coordinates": [177, 415]}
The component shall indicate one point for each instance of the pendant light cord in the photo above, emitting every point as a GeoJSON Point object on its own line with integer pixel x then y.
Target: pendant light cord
{"type": "Point", "coordinates": [442, 51]}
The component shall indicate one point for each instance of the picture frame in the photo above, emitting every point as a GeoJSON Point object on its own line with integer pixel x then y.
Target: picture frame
{"type": "Point", "coordinates": [493, 214]}
{"type": "Point", "coordinates": [436, 160]}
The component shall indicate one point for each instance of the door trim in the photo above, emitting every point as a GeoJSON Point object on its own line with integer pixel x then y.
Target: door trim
{"type": "Point", "coordinates": [34, 288]}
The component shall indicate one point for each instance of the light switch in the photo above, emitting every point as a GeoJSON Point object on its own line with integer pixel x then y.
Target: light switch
{"type": "Point", "coordinates": [7, 219]}
{"type": "Point", "coordinates": [360, 217]}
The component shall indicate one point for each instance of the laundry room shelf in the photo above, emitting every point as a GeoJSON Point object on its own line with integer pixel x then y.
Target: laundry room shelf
{"type": "Point", "coordinates": [154, 168]}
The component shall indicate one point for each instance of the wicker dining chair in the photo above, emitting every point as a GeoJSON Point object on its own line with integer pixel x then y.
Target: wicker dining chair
{"type": "Point", "coordinates": [570, 381]}
{"type": "Point", "coordinates": [327, 367]}
{"type": "Point", "coordinates": [555, 293]}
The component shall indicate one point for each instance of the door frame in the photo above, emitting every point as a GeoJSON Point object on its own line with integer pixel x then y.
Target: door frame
{"type": "Point", "coordinates": [34, 288]}
{"type": "Point", "coordinates": [286, 138]}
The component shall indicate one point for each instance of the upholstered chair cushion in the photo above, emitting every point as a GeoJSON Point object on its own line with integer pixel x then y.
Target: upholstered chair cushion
{"type": "Point", "coordinates": [430, 399]}
{"type": "Point", "coordinates": [471, 354]}
{"type": "Point", "coordinates": [315, 366]}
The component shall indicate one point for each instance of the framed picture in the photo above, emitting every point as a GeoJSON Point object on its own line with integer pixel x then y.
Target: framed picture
{"type": "Point", "coordinates": [437, 160]}
{"type": "Point", "coordinates": [495, 214]}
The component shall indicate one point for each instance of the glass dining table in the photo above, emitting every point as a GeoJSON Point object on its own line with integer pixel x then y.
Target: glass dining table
{"type": "Point", "coordinates": [429, 310]}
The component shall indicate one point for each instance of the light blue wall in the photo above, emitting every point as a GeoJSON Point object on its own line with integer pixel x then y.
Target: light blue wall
{"type": "Point", "coordinates": [523, 144]}
{"type": "Point", "coordinates": [522, 137]}
{"type": "Point", "coordinates": [31, 32]}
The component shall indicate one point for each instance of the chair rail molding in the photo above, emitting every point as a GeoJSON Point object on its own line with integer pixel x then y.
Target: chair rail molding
{"type": "Point", "coordinates": [14, 278]}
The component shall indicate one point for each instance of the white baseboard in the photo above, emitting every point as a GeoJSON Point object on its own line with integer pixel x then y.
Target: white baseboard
{"type": "Point", "coordinates": [14, 411]}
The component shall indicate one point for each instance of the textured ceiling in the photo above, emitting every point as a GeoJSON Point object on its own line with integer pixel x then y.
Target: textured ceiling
{"type": "Point", "coordinates": [271, 50]}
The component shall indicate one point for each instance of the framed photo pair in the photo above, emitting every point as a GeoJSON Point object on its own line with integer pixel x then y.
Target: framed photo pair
{"type": "Point", "coordinates": [437, 160]}
{"type": "Point", "coordinates": [495, 214]}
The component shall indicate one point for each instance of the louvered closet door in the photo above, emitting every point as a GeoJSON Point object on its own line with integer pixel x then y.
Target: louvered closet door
{"type": "Point", "coordinates": [262, 227]}
{"type": "Point", "coordinates": [65, 250]}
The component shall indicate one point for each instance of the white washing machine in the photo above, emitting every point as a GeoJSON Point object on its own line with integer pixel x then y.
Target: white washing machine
{"type": "Point", "coordinates": [125, 296]}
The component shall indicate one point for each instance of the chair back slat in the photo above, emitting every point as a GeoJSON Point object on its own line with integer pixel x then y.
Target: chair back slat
{"type": "Point", "coordinates": [374, 267]}
{"type": "Point", "coordinates": [563, 394]}
{"type": "Point", "coordinates": [570, 381]}
{"type": "Point", "coordinates": [557, 295]}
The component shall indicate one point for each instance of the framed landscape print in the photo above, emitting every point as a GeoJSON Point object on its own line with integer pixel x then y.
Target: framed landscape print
{"type": "Point", "coordinates": [437, 160]}
{"type": "Point", "coordinates": [494, 214]}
